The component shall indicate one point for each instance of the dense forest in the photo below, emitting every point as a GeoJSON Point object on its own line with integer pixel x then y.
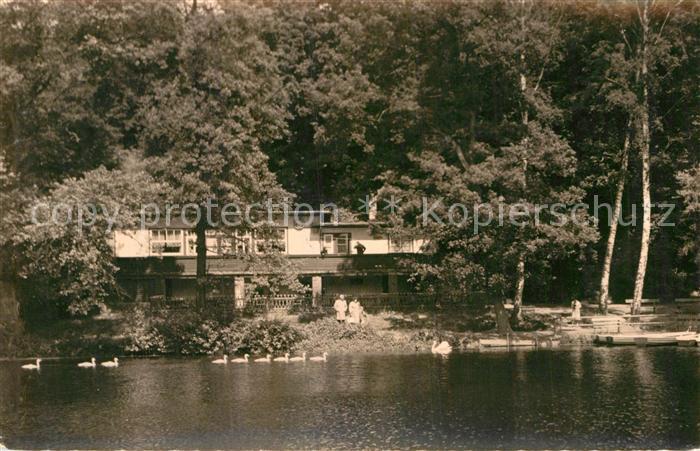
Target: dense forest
{"type": "Point", "coordinates": [486, 103]}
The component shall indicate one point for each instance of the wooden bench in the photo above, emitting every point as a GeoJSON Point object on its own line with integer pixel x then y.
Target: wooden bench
{"type": "Point", "coordinates": [645, 303]}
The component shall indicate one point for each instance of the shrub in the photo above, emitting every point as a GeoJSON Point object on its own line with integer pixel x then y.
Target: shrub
{"type": "Point", "coordinates": [172, 332]}
{"type": "Point", "coordinates": [258, 337]}
{"type": "Point", "coordinates": [190, 333]}
{"type": "Point", "coordinates": [142, 337]}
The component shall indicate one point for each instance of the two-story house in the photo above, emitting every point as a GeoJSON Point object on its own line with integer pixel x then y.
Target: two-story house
{"type": "Point", "coordinates": [329, 257]}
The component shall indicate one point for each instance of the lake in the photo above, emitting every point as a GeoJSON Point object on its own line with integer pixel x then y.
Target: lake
{"type": "Point", "coordinates": [575, 398]}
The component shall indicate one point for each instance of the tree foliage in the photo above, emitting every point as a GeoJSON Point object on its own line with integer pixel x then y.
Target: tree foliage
{"type": "Point", "coordinates": [480, 103]}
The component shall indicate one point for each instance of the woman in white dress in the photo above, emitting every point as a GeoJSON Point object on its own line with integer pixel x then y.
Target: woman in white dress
{"type": "Point", "coordinates": [340, 306]}
{"type": "Point", "coordinates": [575, 311]}
{"type": "Point", "coordinates": [355, 310]}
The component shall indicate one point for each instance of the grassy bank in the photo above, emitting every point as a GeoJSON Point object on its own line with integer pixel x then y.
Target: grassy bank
{"type": "Point", "coordinates": [183, 332]}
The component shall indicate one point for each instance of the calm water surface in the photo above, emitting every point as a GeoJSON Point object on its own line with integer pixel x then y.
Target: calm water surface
{"type": "Point", "coordinates": [599, 397]}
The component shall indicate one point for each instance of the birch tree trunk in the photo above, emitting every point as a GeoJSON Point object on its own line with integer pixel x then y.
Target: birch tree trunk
{"type": "Point", "coordinates": [519, 289]}
{"type": "Point", "coordinates": [645, 145]}
{"type": "Point", "coordinates": [516, 316]}
{"type": "Point", "coordinates": [614, 222]}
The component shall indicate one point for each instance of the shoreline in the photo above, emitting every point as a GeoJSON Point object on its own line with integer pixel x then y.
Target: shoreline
{"type": "Point", "coordinates": [567, 347]}
{"type": "Point", "coordinates": [128, 333]}
{"type": "Point", "coordinates": [487, 349]}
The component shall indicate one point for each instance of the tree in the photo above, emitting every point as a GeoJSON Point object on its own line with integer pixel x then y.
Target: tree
{"type": "Point", "coordinates": [651, 53]}
{"type": "Point", "coordinates": [535, 154]}
{"type": "Point", "coordinates": [62, 239]}
{"type": "Point", "coordinates": [202, 129]}
{"type": "Point", "coordinates": [71, 80]}
{"type": "Point", "coordinates": [608, 104]}
{"type": "Point", "coordinates": [505, 154]}
{"type": "Point", "coordinates": [353, 72]}
{"type": "Point", "coordinates": [690, 191]}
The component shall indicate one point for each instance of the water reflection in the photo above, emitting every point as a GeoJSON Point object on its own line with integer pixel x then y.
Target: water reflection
{"type": "Point", "coordinates": [600, 397]}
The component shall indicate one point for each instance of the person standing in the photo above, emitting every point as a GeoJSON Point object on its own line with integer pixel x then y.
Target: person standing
{"type": "Point", "coordinates": [341, 307]}
{"type": "Point", "coordinates": [354, 311]}
{"type": "Point", "coordinates": [575, 311]}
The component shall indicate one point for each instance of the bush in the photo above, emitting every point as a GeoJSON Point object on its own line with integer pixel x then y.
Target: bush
{"type": "Point", "coordinates": [142, 337]}
{"type": "Point", "coordinates": [258, 337]}
{"type": "Point", "coordinates": [172, 332]}
{"type": "Point", "coordinates": [188, 334]}
{"type": "Point", "coordinates": [191, 333]}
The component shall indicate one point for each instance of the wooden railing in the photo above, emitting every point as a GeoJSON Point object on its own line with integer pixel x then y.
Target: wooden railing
{"type": "Point", "coordinates": [287, 301]}
{"type": "Point", "coordinates": [277, 302]}
{"type": "Point", "coordinates": [382, 300]}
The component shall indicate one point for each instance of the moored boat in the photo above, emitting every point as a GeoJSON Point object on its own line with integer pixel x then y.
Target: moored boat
{"type": "Point", "coordinates": [505, 342]}
{"type": "Point", "coordinates": [641, 339]}
{"type": "Point", "coordinates": [688, 339]}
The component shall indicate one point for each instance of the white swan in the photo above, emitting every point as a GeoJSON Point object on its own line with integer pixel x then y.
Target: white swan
{"type": "Point", "coordinates": [323, 358]}
{"type": "Point", "coordinates": [298, 359]}
{"type": "Point", "coordinates": [282, 359]}
{"type": "Point", "coordinates": [90, 364]}
{"type": "Point", "coordinates": [31, 366]}
{"type": "Point", "coordinates": [240, 360]}
{"type": "Point", "coordinates": [267, 359]}
{"type": "Point", "coordinates": [111, 364]}
{"type": "Point", "coordinates": [442, 348]}
{"type": "Point", "coordinates": [221, 361]}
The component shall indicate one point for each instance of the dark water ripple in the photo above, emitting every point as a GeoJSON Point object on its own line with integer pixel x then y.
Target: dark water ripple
{"type": "Point", "coordinates": [583, 398]}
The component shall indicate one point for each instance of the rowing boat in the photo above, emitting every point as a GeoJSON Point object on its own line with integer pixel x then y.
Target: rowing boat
{"type": "Point", "coordinates": [641, 339]}
{"type": "Point", "coordinates": [505, 343]}
{"type": "Point", "coordinates": [688, 339]}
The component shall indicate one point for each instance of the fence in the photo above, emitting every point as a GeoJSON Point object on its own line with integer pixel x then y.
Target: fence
{"type": "Point", "coordinates": [371, 302]}
{"type": "Point", "coordinates": [379, 301]}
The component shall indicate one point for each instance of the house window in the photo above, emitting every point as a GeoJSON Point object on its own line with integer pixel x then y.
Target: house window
{"type": "Point", "coordinates": [210, 242]}
{"type": "Point", "coordinates": [336, 243]}
{"type": "Point", "coordinates": [238, 243]}
{"type": "Point", "coordinates": [219, 243]}
{"type": "Point", "coordinates": [166, 242]}
{"type": "Point", "coordinates": [275, 242]}
{"type": "Point", "coordinates": [398, 245]}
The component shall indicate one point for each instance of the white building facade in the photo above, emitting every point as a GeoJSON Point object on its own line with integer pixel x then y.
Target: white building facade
{"type": "Point", "coordinates": [330, 258]}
